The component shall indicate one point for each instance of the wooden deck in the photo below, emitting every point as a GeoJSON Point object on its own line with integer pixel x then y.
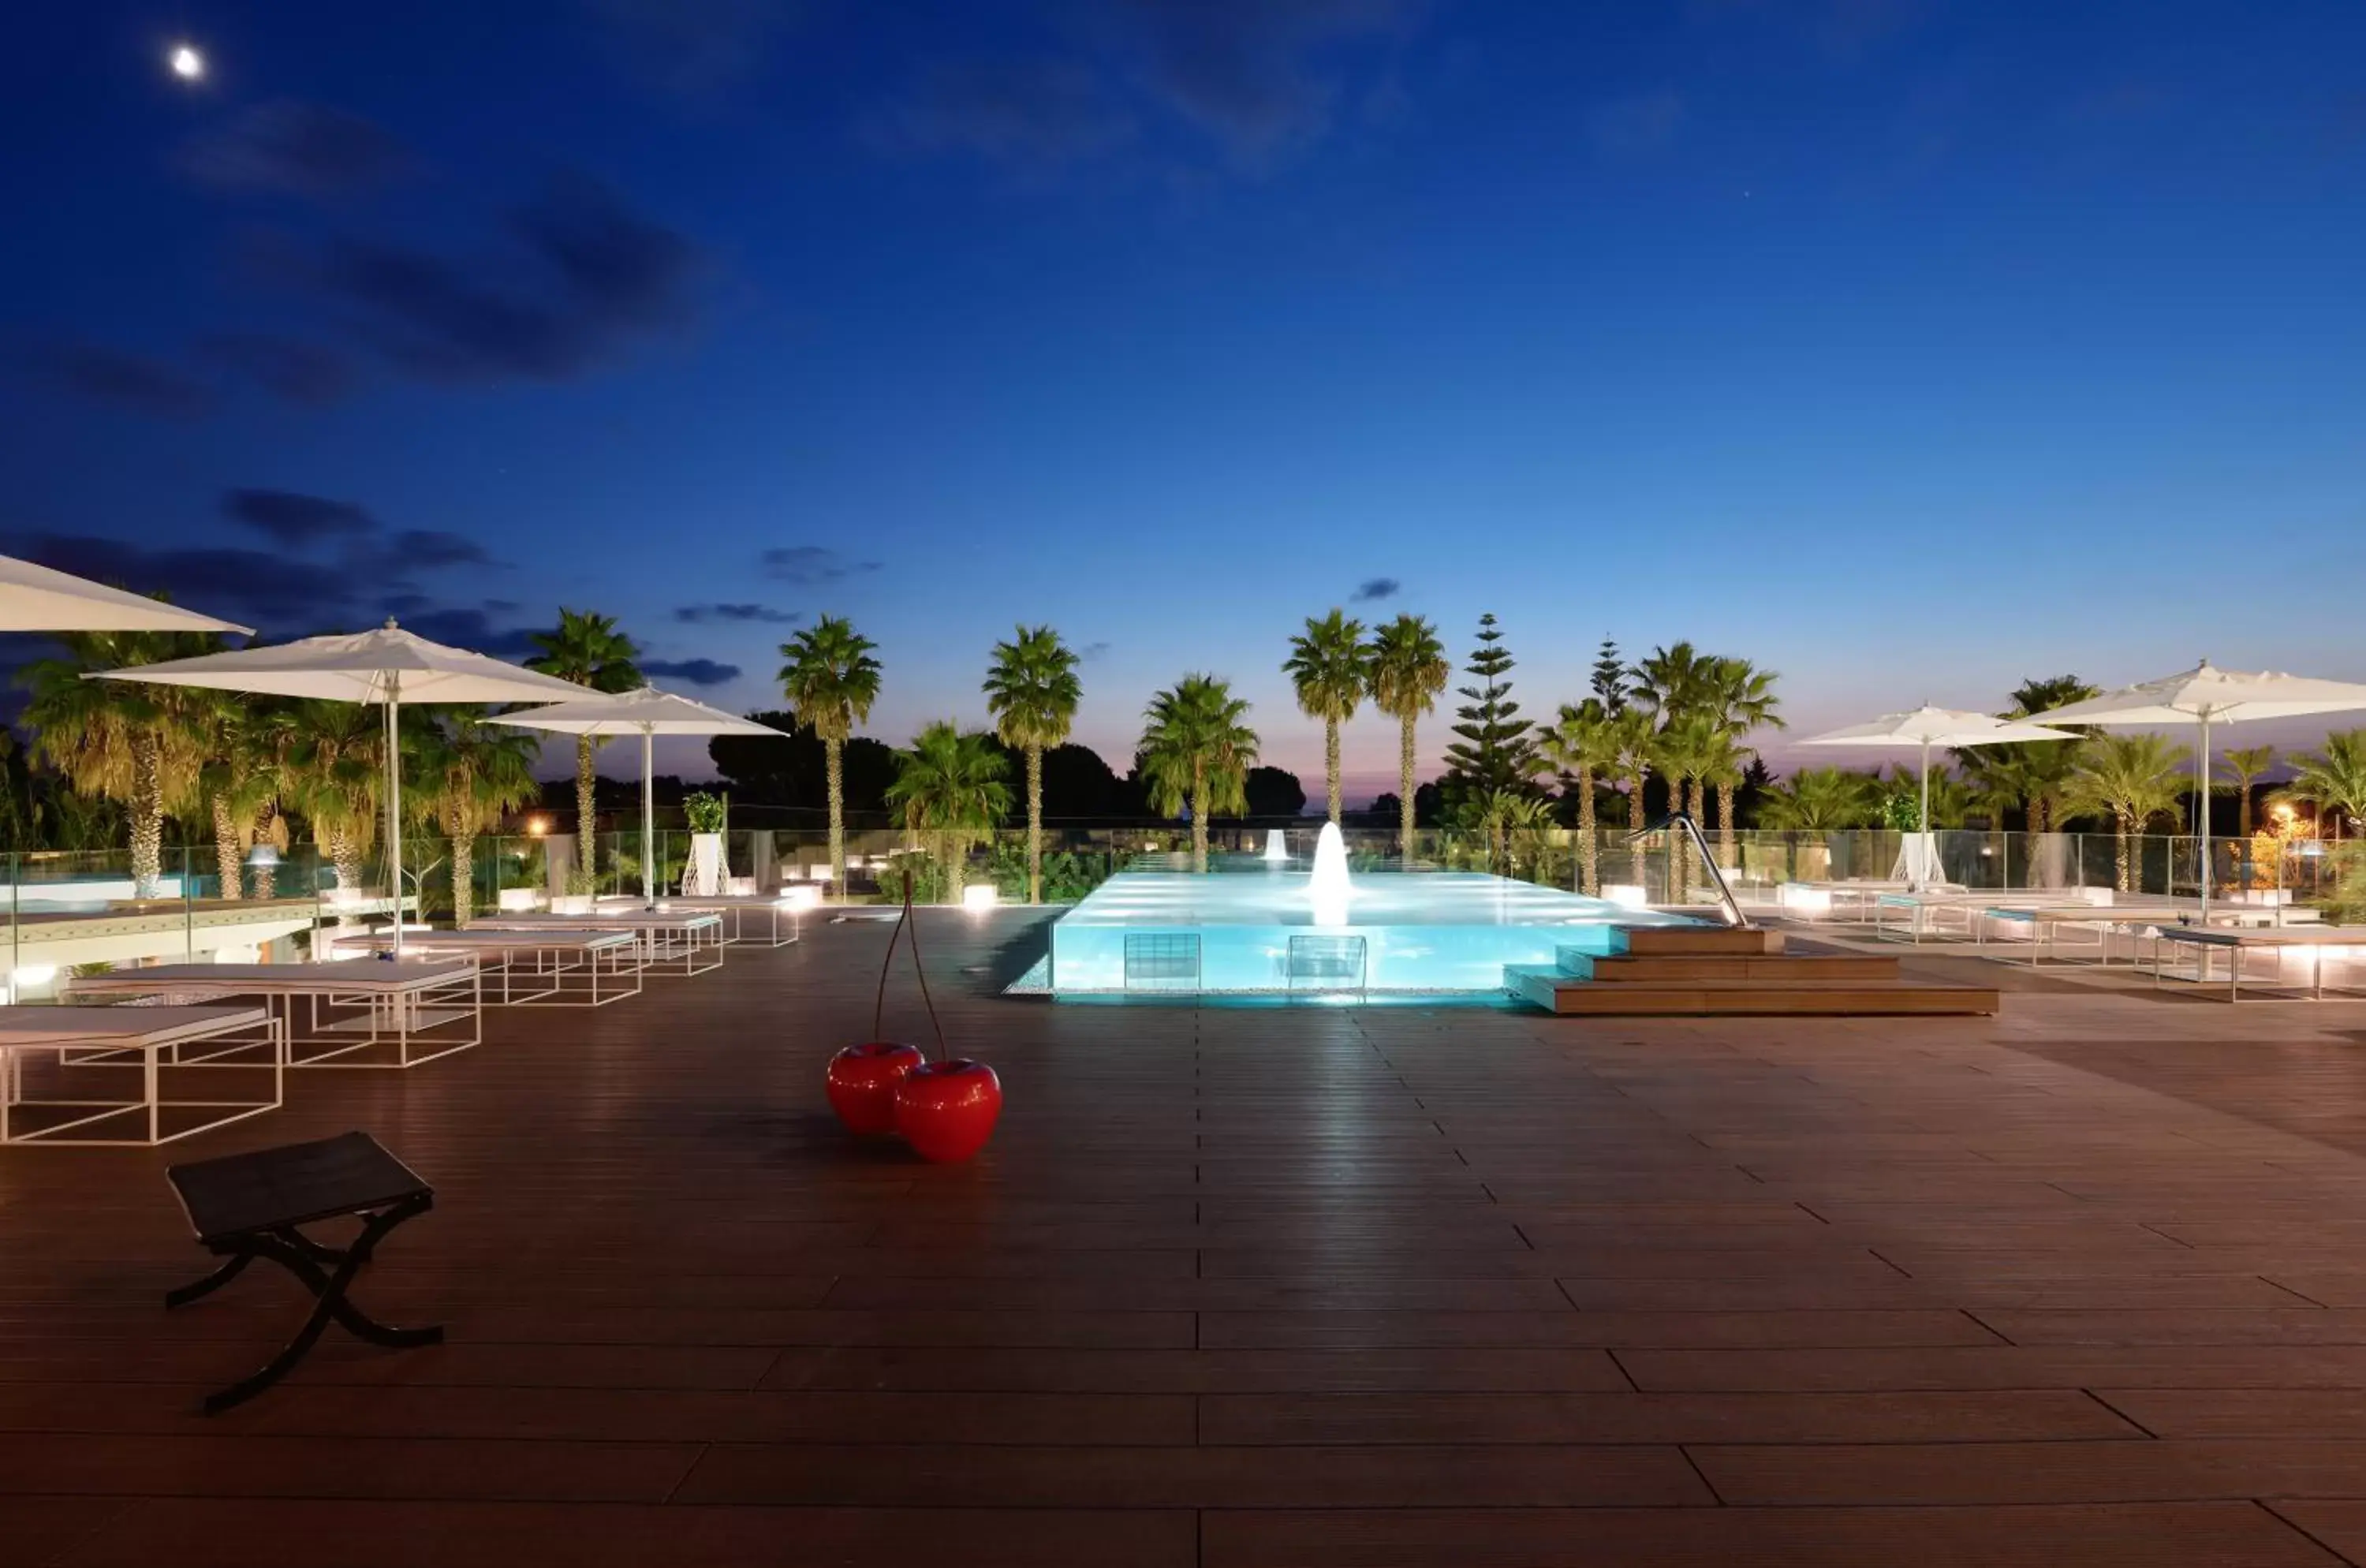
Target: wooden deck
{"type": "Point", "coordinates": [2083, 1283]}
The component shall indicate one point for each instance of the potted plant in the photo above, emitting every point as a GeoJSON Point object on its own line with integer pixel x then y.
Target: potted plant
{"type": "Point", "coordinates": [706, 815]}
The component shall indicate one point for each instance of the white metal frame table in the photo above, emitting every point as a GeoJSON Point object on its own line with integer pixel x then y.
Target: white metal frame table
{"type": "Point", "coordinates": [423, 1010]}
{"type": "Point", "coordinates": [151, 1042]}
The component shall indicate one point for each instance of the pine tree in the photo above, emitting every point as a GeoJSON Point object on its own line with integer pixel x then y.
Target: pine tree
{"type": "Point", "coordinates": [1610, 678]}
{"type": "Point", "coordinates": [1496, 753]}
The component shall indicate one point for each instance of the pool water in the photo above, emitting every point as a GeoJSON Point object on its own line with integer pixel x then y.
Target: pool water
{"type": "Point", "coordinates": [1158, 931]}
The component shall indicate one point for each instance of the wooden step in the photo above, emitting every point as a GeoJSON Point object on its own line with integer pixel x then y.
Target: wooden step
{"type": "Point", "coordinates": [1624, 968]}
{"type": "Point", "coordinates": [1564, 995]}
{"type": "Point", "coordinates": [1696, 941]}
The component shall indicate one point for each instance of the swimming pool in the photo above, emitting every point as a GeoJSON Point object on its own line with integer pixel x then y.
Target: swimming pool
{"type": "Point", "coordinates": [1160, 931]}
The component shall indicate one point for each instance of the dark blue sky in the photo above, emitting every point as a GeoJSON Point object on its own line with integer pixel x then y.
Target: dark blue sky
{"type": "Point", "coordinates": [1909, 346]}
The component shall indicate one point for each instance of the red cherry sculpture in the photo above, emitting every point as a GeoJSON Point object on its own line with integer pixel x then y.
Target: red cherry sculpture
{"type": "Point", "coordinates": [861, 1085]}
{"type": "Point", "coordinates": [946, 1110]}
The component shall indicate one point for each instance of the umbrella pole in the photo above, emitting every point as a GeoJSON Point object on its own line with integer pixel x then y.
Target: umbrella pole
{"type": "Point", "coordinates": [649, 819]}
{"type": "Point", "coordinates": [1928, 850]}
{"type": "Point", "coordinates": [394, 802]}
{"type": "Point", "coordinates": [2201, 806]}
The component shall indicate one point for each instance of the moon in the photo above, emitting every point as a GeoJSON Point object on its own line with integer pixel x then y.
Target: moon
{"type": "Point", "coordinates": [186, 63]}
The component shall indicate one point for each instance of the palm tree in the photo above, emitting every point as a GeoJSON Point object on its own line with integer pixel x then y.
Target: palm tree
{"type": "Point", "coordinates": [1584, 744]}
{"type": "Point", "coordinates": [1690, 750]}
{"type": "Point", "coordinates": [1742, 697]}
{"type": "Point", "coordinates": [1032, 691]}
{"type": "Point", "coordinates": [335, 762]}
{"type": "Point", "coordinates": [1519, 820]}
{"type": "Point", "coordinates": [1407, 671]}
{"type": "Point", "coordinates": [468, 774]}
{"type": "Point", "coordinates": [830, 682]}
{"type": "Point", "coordinates": [1671, 682]}
{"type": "Point", "coordinates": [588, 649]}
{"type": "Point", "coordinates": [949, 786]}
{"type": "Point", "coordinates": [1693, 749]}
{"type": "Point", "coordinates": [1821, 800]}
{"type": "Point", "coordinates": [1330, 669]}
{"type": "Point", "coordinates": [122, 741]}
{"type": "Point", "coordinates": [1197, 748]}
{"type": "Point", "coordinates": [1633, 737]}
{"type": "Point", "coordinates": [2333, 780]}
{"type": "Point", "coordinates": [2246, 763]}
{"type": "Point", "coordinates": [2132, 779]}
{"type": "Point", "coordinates": [246, 739]}
{"type": "Point", "coordinates": [2049, 763]}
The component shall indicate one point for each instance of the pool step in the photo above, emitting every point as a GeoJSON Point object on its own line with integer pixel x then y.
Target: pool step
{"type": "Point", "coordinates": [1711, 971]}
{"type": "Point", "coordinates": [1694, 941]}
{"type": "Point", "coordinates": [1745, 996]}
{"type": "Point", "coordinates": [1627, 968]}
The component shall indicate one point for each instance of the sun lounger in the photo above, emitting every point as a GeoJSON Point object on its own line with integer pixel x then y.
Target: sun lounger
{"type": "Point", "coordinates": [74, 1053]}
{"type": "Point", "coordinates": [346, 1014]}
{"type": "Point", "coordinates": [672, 940]}
{"type": "Point", "coordinates": [536, 968]}
{"type": "Point", "coordinates": [2322, 945]}
{"type": "Point", "coordinates": [739, 910]}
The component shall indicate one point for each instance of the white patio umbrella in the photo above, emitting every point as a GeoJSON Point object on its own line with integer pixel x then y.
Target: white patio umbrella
{"type": "Point", "coordinates": [389, 666]}
{"type": "Point", "coordinates": [2205, 695]}
{"type": "Point", "coordinates": [42, 599]}
{"type": "Point", "coordinates": [1927, 726]}
{"type": "Point", "coordinates": [647, 713]}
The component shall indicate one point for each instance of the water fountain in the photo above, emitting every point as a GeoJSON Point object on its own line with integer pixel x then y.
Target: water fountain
{"type": "Point", "coordinates": [1327, 890]}
{"type": "Point", "coordinates": [1277, 847]}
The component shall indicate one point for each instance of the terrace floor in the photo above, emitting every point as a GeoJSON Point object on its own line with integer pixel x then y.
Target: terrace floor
{"type": "Point", "coordinates": [1255, 1288]}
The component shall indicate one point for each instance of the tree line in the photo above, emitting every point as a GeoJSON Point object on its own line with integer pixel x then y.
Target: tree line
{"type": "Point", "coordinates": [1669, 730]}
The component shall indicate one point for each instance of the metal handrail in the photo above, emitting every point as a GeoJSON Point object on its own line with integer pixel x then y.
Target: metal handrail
{"type": "Point", "coordinates": [1732, 908]}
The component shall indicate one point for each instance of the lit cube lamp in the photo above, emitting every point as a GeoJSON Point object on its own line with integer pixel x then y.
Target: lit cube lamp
{"type": "Point", "coordinates": [980, 896]}
{"type": "Point", "coordinates": [1626, 895]}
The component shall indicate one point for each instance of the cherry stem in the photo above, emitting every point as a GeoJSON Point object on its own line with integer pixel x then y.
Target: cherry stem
{"type": "Point", "coordinates": [879, 1007]}
{"type": "Point", "coordinates": [944, 1053]}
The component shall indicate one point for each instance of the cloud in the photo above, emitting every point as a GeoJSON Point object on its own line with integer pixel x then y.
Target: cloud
{"type": "Point", "coordinates": [694, 47]}
{"type": "Point", "coordinates": [431, 549]}
{"type": "Point", "coordinates": [1373, 588]}
{"type": "Point", "coordinates": [285, 593]}
{"type": "Point", "coordinates": [699, 614]}
{"type": "Point", "coordinates": [131, 381]}
{"type": "Point", "coordinates": [697, 672]}
{"type": "Point", "coordinates": [1038, 112]}
{"type": "Point", "coordinates": [599, 280]}
{"type": "Point", "coordinates": [1246, 72]}
{"type": "Point", "coordinates": [363, 544]}
{"type": "Point", "coordinates": [809, 564]}
{"type": "Point", "coordinates": [1631, 127]}
{"type": "Point", "coordinates": [288, 368]}
{"type": "Point", "coordinates": [260, 587]}
{"type": "Point", "coordinates": [295, 149]}
{"type": "Point", "coordinates": [295, 520]}
{"type": "Point", "coordinates": [473, 629]}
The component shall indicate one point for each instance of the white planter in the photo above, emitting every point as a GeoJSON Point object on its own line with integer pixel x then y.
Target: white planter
{"type": "Point", "coordinates": [704, 878]}
{"type": "Point", "coordinates": [571, 904]}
